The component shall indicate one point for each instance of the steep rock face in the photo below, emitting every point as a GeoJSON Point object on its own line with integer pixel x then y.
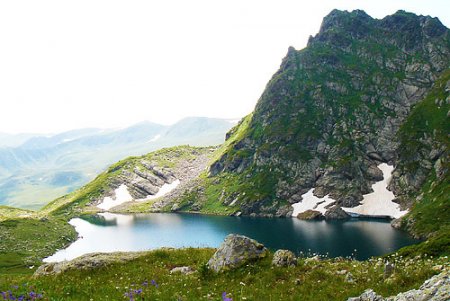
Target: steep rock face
{"type": "Point", "coordinates": [332, 112]}
{"type": "Point", "coordinates": [422, 174]}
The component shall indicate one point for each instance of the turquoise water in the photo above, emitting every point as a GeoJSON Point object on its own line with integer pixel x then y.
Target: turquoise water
{"type": "Point", "coordinates": [117, 232]}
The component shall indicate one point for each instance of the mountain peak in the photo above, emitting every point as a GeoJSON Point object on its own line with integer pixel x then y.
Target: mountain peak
{"type": "Point", "coordinates": [404, 29]}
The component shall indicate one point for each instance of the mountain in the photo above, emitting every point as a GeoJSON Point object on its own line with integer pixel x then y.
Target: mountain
{"type": "Point", "coordinates": [45, 167]}
{"type": "Point", "coordinates": [332, 113]}
{"type": "Point", "coordinates": [355, 124]}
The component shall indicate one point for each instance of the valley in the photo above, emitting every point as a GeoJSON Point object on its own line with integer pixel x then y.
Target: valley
{"type": "Point", "coordinates": [347, 151]}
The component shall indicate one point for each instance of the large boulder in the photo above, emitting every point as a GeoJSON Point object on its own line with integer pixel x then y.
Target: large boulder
{"type": "Point", "coordinates": [235, 251]}
{"type": "Point", "coordinates": [284, 258]}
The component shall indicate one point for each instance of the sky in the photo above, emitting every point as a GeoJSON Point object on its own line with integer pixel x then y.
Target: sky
{"type": "Point", "coordinates": [108, 64]}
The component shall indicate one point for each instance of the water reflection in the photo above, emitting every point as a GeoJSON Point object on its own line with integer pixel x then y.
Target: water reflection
{"type": "Point", "coordinates": [109, 232]}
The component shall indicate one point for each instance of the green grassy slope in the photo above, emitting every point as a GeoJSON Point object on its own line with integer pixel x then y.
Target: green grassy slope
{"type": "Point", "coordinates": [25, 241]}
{"type": "Point", "coordinates": [75, 202]}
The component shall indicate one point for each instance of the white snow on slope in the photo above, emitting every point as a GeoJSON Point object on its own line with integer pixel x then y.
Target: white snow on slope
{"type": "Point", "coordinates": [122, 196]}
{"type": "Point", "coordinates": [310, 201]}
{"type": "Point", "coordinates": [165, 189]}
{"type": "Point", "coordinates": [379, 202]}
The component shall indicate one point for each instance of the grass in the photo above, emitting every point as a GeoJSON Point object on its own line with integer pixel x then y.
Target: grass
{"type": "Point", "coordinates": [7, 212]}
{"type": "Point", "coordinates": [25, 241]}
{"type": "Point", "coordinates": [310, 280]}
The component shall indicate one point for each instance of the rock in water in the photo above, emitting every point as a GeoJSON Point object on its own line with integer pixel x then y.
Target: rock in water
{"type": "Point", "coordinates": [284, 258]}
{"type": "Point", "coordinates": [336, 213]}
{"type": "Point", "coordinates": [235, 251]}
{"type": "Point", "coordinates": [310, 215]}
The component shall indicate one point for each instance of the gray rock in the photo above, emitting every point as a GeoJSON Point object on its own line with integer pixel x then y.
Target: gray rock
{"type": "Point", "coordinates": [368, 295]}
{"type": "Point", "coordinates": [86, 262]}
{"type": "Point", "coordinates": [284, 258]}
{"type": "Point", "coordinates": [336, 213]}
{"type": "Point", "coordinates": [182, 270]}
{"type": "Point", "coordinates": [235, 251]}
{"type": "Point", "coordinates": [349, 278]}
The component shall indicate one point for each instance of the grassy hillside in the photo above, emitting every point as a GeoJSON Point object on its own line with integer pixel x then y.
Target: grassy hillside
{"type": "Point", "coordinates": [75, 202]}
{"type": "Point", "coordinates": [25, 241]}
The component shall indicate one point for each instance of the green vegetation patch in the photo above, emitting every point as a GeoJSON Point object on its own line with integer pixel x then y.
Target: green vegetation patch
{"type": "Point", "coordinates": [25, 241]}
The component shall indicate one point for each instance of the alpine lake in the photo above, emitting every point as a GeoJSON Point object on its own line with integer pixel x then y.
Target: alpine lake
{"type": "Point", "coordinates": [108, 232]}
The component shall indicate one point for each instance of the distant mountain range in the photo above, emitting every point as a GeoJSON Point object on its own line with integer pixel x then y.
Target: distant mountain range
{"type": "Point", "coordinates": [35, 168]}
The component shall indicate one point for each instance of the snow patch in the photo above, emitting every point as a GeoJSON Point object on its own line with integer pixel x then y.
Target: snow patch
{"type": "Point", "coordinates": [121, 196]}
{"type": "Point", "coordinates": [233, 202]}
{"type": "Point", "coordinates": [379, 202]}
{"type": "Point", "coordinates": [165, 189]}
{"type": "Point", "coordinates": [311, 202]}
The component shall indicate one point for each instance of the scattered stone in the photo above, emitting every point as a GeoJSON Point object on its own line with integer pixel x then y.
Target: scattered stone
{"type": "Point", "coordinates": [341, 272]}
{"type": "Point", "coordinates": [349, 278]}
{"type": "Point", "coordinates": [312, 259]}
{"type": "Point", "coordinates": [284, 258]}
{"type": "Point", "coordinates": [438, 268]}
{"type": "Point", "coordinates": [368, 295]}
{"type": "Point", "coordinates": [182, 270]}
{"type": "Point", "coordinates": [235, 251]}
{"type": "Point", "coordinates": [336, 213]}
{"type": "Point", "coordinates": [310, 215]}
{"type": "Point", "coordinates": [389, 269]}
{"type": "Point", "coordinates": [298, 281]}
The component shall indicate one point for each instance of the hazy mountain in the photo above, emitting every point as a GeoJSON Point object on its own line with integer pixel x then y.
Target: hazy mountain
{"type": "Point", "coordinates": [42, 168]}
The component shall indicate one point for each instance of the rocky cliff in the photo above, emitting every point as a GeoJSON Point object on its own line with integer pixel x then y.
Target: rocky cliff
{"type": "Point", "coordinates": [332, 113]}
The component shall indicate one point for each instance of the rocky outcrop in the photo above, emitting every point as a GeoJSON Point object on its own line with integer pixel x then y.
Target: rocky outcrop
{"type": "Point", "coordinates": [144, 176]}
{"type": "Point", "coordinates": [86, 262]}
{"type": "Point", "coordinates": [235, 251]}
{"type": "Point", "coordinates": [284, 258]}
{"type": "Point", "coordinates": [436, 288]}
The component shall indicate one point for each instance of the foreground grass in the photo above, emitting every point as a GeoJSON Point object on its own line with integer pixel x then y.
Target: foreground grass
{"type": "Point", "coordinates": [148, 278]}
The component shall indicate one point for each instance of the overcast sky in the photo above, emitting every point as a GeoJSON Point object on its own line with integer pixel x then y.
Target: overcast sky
{"type": "Point", "coordinates": [74, 64]}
